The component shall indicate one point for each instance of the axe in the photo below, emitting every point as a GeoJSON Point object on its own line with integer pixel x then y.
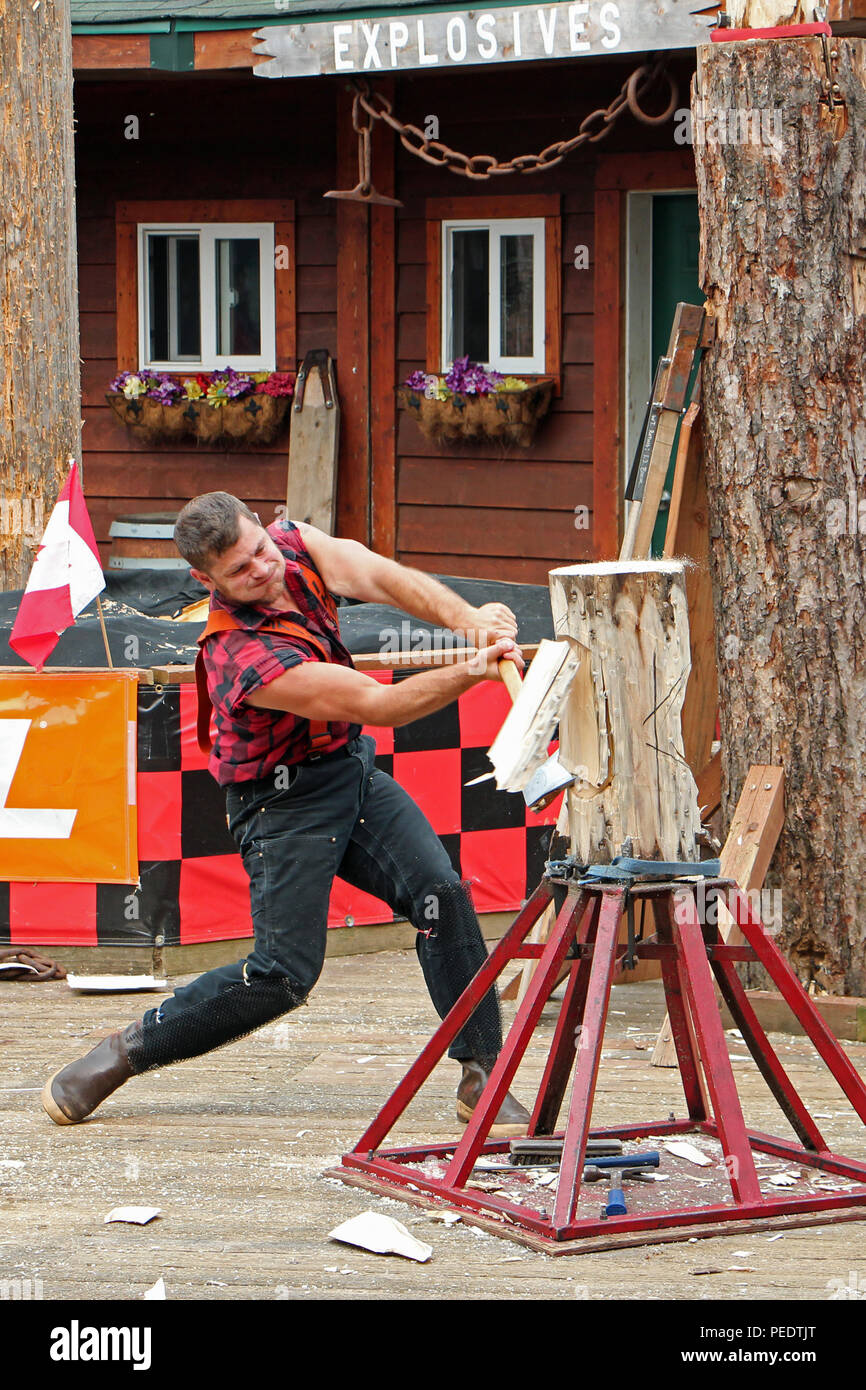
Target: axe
{"type": "Point", "coordinates": [517, 752]}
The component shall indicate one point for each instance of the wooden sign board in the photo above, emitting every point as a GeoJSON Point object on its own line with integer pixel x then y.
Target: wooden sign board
{"type": "Point", "coordinates": [462, 38]}
{"type": "Point", "coordinates": [311, 492]}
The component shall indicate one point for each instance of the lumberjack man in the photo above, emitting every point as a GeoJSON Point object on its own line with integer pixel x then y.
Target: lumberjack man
{"type": "Point", "coordinates": [304, 799]}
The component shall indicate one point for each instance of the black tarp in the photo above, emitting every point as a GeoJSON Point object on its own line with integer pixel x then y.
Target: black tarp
{"type": "Point", "coordinates": [138, 607]}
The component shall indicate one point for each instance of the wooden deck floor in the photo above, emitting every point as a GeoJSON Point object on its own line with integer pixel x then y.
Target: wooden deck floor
{"type": "Point", "coordinates": [232, 1147]}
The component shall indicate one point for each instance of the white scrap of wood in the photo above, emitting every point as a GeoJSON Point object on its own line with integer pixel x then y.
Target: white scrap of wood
{"type": "Point", "coordinates": [680, 1149]}
{"type": "Point", "coordinates": [157, 1290]}
{"type": "Point", "coordinates": [133, 1216]}
{"type": "Point", "coordinates": [448, 1218]}
{"type": "Point", "coordinates": [381, 1234]}
{"type": "Point", "coordinates": [520, 747]}
{"type": "Point", "coordinates": [113, 984]}
{"type": "Point", "coordinates": [784, 1179]}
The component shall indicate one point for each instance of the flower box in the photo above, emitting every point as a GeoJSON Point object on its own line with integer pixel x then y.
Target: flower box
{"type": "Point", "coordinates": [509, 417]}
{"type": "Point", "coordinates": [252, 420]}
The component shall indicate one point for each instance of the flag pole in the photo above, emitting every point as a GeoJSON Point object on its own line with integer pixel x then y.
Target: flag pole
{"type": "Point", "coordinates": [104, 633]}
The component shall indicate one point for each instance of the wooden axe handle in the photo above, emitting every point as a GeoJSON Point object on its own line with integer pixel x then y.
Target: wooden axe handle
{"type": "Point", "coordinates": [510, 674]}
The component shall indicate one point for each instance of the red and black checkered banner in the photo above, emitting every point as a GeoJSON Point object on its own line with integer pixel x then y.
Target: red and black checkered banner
{"type": "Point", "coordinates": [193, 887]}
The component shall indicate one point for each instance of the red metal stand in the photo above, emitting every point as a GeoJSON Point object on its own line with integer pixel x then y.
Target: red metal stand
{"type": "Point", "coordinates": [779, 31]}
{"type": "Point", "coordinates": [586, 935]}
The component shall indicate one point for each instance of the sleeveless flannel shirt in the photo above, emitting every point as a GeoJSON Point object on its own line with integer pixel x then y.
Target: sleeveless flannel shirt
{"type": "Point", "coordinates": [250, 742]}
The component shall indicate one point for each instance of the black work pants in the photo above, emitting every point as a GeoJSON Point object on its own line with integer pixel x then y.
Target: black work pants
{"type": "Point", "coordinates": [338, 815]}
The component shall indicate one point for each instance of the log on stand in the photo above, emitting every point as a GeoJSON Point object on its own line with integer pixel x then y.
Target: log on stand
{"type": "Point", "coordinates": [622, 731]}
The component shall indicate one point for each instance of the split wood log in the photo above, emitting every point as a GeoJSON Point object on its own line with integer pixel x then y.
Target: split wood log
{"type": "Point", "coordinates": [520, 747]}
{"type": "Point", "coordinates": [621, 732]}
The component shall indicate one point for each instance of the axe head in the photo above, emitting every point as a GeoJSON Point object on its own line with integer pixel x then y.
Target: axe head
{"type": "Point", "coordinates": [545, 785]}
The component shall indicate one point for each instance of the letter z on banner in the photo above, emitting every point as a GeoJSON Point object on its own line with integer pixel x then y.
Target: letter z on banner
{"type": "Point", "coordinates": [67, 777]}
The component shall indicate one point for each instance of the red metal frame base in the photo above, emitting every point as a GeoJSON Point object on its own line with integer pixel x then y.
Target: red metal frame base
{"type": "Point", "coordinates": [691, 952]}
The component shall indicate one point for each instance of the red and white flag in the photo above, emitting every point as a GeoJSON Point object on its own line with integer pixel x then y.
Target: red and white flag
{"type": "Point", "coordinates": [66, 576]}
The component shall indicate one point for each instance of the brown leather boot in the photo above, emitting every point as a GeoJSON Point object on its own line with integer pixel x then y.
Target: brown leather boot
{"type": "Point", "coordinates": [513, 1118]}
{"type": "Point", "coordinates": [74, 1092]}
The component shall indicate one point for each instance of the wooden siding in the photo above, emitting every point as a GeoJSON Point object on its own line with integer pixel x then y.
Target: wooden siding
{"type": "Point", "coordinates": [502, 512]}
{"type": "Point", "coordinates": [478, 510]}
{"type": "Point", "coordinates": [184, 152]}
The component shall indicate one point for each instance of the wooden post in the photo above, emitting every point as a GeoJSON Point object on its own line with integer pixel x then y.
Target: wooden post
{"type": "Point", "coordinates": [784, 405]}
{"type": "Point", "coordinates": [622, 728]}
{"type": "Point", "coordinates": [40, 392]}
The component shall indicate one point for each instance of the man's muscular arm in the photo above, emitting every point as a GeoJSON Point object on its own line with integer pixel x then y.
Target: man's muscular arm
{"type": "Point", "coordinates": [352, 571]}
{"type": "Point", "coordinates": [322, 690]}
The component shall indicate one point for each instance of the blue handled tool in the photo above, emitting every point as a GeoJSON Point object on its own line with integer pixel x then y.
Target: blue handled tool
{"type": "Point", "coordinates": [645, 1160]}
{"type": "Point", "coordinates": [616, 1203]}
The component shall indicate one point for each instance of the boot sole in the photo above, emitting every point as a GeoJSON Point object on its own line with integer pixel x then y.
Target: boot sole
{"type": "Point", "coordinates": [50, 1106]}
{"type": "Point", "coordinates": [514, 1130]}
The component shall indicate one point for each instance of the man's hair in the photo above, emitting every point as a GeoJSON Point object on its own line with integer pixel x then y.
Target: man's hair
{"type": "Point", "coordinates": [208, 526]}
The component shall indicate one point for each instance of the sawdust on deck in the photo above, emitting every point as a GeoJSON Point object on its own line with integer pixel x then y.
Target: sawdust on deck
{"type": "Point", "coordinates": [232, 1147]}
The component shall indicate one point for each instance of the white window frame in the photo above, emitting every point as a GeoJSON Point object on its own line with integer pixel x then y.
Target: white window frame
{"type": "Point", "coordinates": [497, 227]}
{"type": "Point", "coordinates": [209, 233]}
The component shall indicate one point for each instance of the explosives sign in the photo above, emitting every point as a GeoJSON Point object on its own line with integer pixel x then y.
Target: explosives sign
{"type": "Point", "coordinates": [67, 777]}
{"type": "Point", "coordinates": [522, 33]}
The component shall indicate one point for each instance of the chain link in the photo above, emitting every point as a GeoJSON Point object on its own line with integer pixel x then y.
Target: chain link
{"type": "Point", "coordinates": [485, 166]}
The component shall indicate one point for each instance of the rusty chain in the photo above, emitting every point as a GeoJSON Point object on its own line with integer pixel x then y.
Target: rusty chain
{"type": "Point", "coordinates": [484, 166]}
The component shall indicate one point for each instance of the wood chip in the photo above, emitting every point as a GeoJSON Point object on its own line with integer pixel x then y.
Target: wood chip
{"type": "Point", "coordinates": [133, 1216]}
{"type": "Point", "coordinates": [680, 1149]}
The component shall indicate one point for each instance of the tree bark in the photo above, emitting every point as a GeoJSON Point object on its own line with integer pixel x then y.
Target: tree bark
{"type": "Point", "coordinates": [783, 265]}
{"type": "Point", "coordinates": [40, 393]}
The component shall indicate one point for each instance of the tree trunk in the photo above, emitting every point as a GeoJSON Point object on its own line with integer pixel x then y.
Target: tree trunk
{"type": "Point", "coordinates": [40, 395]}
{"type": "Point", "coordinates": [783, 219]}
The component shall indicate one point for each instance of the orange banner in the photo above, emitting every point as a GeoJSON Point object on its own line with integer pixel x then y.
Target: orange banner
{"type": "Point", "coordinates": [67, 777]}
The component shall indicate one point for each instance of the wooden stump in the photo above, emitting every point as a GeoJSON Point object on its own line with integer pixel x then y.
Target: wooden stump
{"type": "Point", "coordinates": [622, 730]}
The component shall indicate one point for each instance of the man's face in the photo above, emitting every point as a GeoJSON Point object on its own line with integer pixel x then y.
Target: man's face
{"type": "Point", "coordinates": [250, 571]}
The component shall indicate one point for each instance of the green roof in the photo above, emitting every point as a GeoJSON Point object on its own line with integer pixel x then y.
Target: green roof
{"type": "Point", "coordinates": [147, 16]}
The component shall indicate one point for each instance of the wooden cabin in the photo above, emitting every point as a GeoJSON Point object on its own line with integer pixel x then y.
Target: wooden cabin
{"type": "Point", "coordinates": [571, 271]}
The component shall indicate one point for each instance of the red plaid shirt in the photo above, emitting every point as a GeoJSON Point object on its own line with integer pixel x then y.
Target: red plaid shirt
{"type": "Point", "coordinates": [251, 742]}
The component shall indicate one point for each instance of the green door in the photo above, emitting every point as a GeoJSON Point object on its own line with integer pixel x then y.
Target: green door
{"type": "Point", "coordinates": [676, 238]}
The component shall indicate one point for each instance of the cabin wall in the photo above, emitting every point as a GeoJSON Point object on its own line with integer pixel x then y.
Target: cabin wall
{"type": "Point", "coordinates": [273, 145]}
{"type": "Point", "coordinates": [490, 511]}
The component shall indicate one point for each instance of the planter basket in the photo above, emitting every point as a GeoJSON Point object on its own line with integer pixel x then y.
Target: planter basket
{"type": "Point", "coordinates": [255, 419]}
{"type": "Point", "coordinates": [508, 416]}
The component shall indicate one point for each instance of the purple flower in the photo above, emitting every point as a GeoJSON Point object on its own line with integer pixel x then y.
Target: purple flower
{"type": "Point", "coordinates": [470, 378]}
{"type": "Point", "coordinates": [232, 384]}
{"type": "Point", "coordinates": [166, 391]}
{"type": "Point", "coordinates": [417, 381]}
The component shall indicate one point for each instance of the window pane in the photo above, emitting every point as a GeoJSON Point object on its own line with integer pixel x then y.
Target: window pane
{"type": "Point", "coordinates": [238, 298]}
{"type": "Point", "coordinates": [515, 331]}
{"type": "Point", "coordinates": [174, 315]}
{"type": "Point", "coordinates": [470, 278]}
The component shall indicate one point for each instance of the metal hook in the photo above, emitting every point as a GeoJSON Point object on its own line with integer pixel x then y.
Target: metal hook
{"type": "Point", "coordinates": [364, 190]}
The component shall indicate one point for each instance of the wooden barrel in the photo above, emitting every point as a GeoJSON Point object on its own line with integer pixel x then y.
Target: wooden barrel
{"type": "Point", "coordinates": [144, 541]}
